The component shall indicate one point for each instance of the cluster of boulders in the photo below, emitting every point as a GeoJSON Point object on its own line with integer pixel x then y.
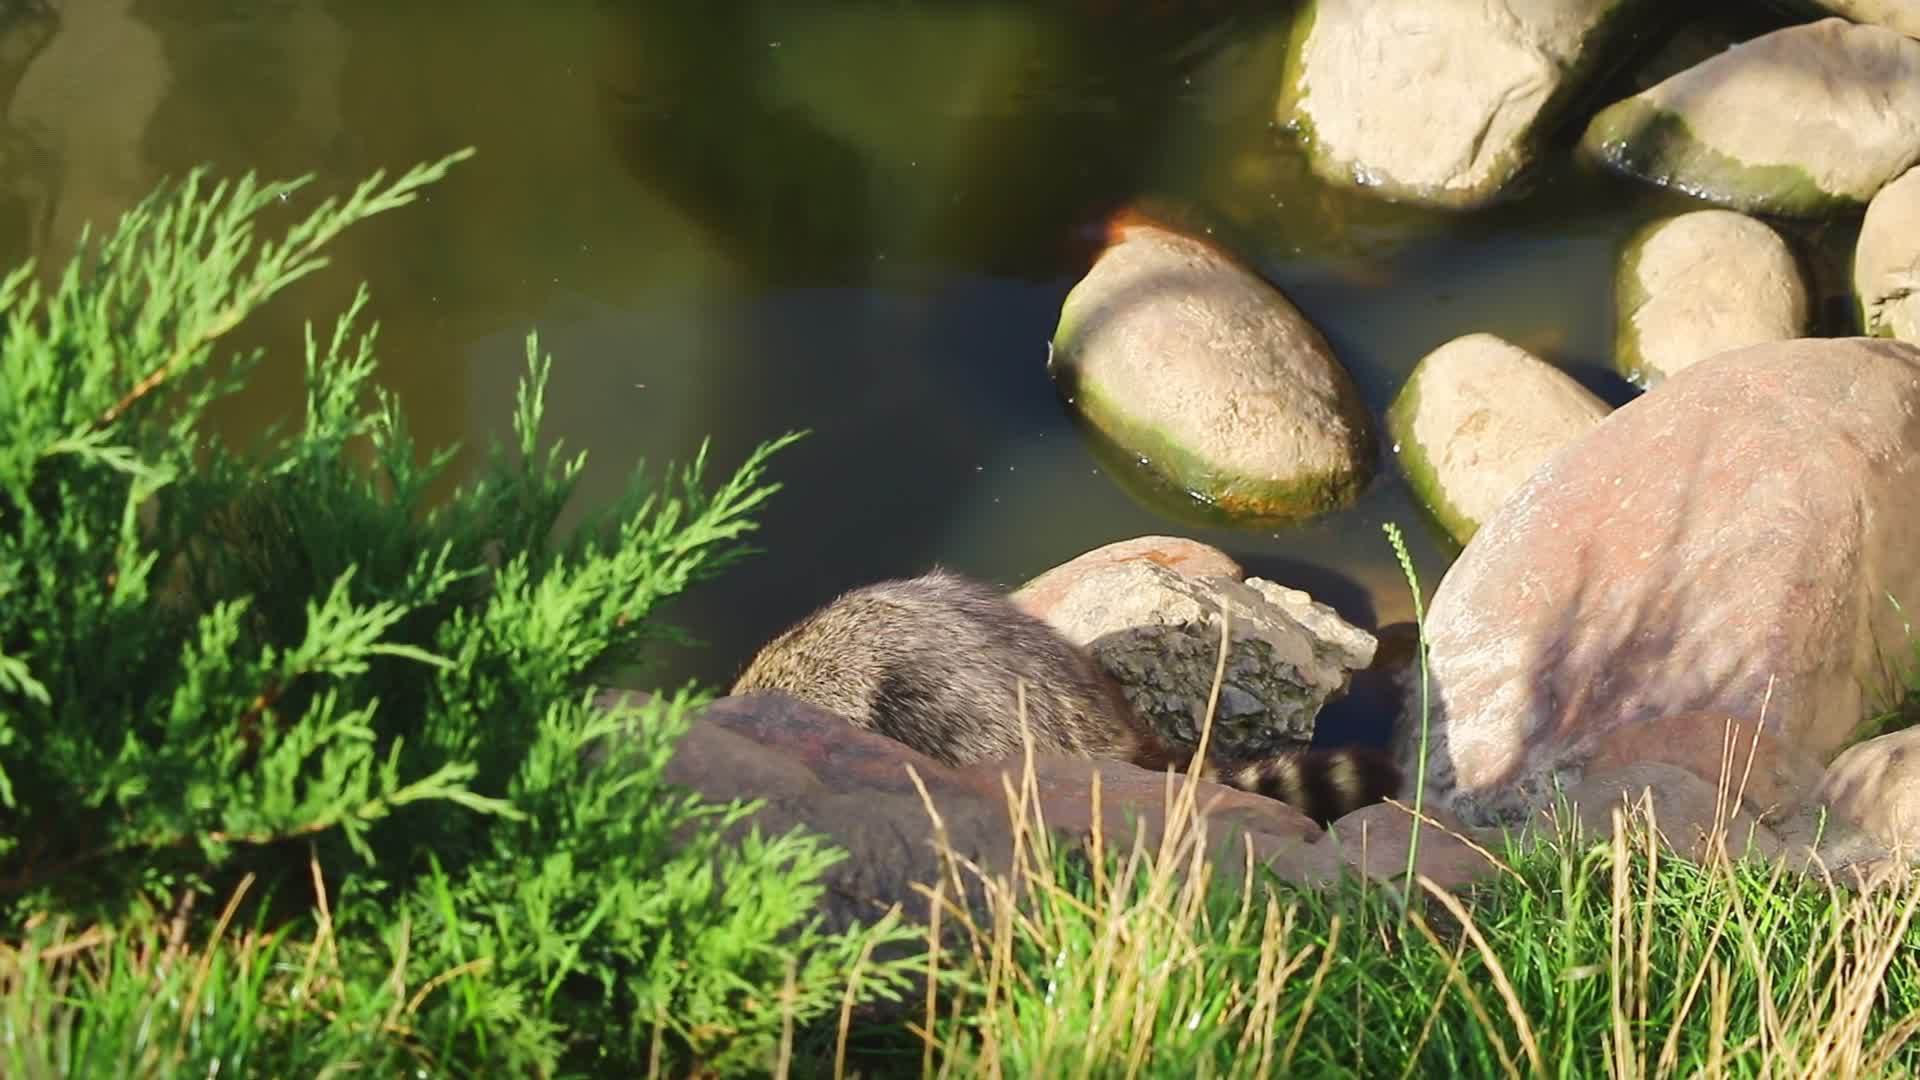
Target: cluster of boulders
{"type": "Point", "coordinates": [1700, 597]}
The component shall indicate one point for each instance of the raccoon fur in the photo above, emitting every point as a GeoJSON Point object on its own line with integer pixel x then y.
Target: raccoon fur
{"type": "Point", "coordinates": [936, 661]}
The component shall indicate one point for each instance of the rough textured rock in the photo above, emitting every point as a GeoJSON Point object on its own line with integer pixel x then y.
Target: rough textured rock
{"type": "Point", "coordinates": [1475, 418]}
{"type": "Point", "coordinates": [1189, 558]}
{"type": "Point", "coordinates": [1738, 540]}
{"type": "Point", "coordinates": [814, 770]}
{"type": "Point", "coordinates": [1875, 785]}
{"type": "Point", "coordinates": [1437, 102]}
{"type": "Point", "coordinates": [1158, 633]}
{"type": "Point", "coordinates": [1901, 15]}
{"type": "Point", "coordinates": [1807, 120]}
{"type": "Point", "coordinates": [1695, 285]}
{"type": "Point", "coordinates": [1771, 777]}
{"type": "Point", "coordinates": [1374, 841]}
{"type": "Point", "coordinates": [1689, 813]}
{"type": "Point", "coordinates": [1180, 355]}
{"type": "Point", "coordinates": [1886, 263]}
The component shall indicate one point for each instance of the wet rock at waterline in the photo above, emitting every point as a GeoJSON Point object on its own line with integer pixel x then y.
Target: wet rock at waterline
{"type": "Point", "coordinates": [1157, 631]}
{"type": "Point", "coordinates": [1886, 262]}
{"type": "Point", "coordinates": [1901, 15]}
{"type": "Point", "coordinates": [1695, 285]}
{"type": "Point", "coordinates": [1475, 418]}
{"type": "Point", "coordinates": [1807, 120]}
{"type": "Point", "coordinates": [1436, 102]}
{"type": "Point", "coordinates": [1182, 356]}
{"type": "Point", "coordinates": [1737, 540]}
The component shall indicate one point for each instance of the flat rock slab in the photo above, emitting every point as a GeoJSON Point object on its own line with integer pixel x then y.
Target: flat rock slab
{"type": "Point", "coordinates": [1738, 540]}
{"type": "Point", "coordinates": [814, 770]}
{"type": "Point", "coordinates": [1474, 420]}
{"type": "Point", "coordinates": [1180, 355]}
{"type": "Point", "coordinates": [1886, 262]}
{"type": "Point", "coordinates": [1437, 102]}
{"type": "Point", "coordinates": [1809, 120]}
{"type": "Point", "coordinates": [1701, 283]}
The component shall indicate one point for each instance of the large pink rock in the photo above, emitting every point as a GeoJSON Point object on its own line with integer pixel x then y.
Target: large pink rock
{"type": "Point", "coordinates": [1734, 541]}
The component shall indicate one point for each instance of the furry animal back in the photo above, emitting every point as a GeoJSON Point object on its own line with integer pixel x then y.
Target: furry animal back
{"type": "Point", "coordinates": [939, 662]}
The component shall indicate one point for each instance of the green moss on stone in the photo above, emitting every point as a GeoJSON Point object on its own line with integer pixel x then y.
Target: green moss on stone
{"type": "Point", "coordinates": [1640, 139]}
{"type": "Point", "coordinates": [1629, 296]}
{"type": "Point", "coordinates": [1293, 72]}
{"type": "Point", "coordinates": [1301, 496]}
{"type": "Point", "coordinates": [1415, 464]}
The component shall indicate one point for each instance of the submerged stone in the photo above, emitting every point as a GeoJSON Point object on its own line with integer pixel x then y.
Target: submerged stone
{"type": "Point", "coordinates": [1808, 120]}
{"type": "Point", "coordinates": [1204, 370]}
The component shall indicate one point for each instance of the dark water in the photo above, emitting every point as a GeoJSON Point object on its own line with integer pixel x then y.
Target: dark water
{"type": "Point", "coordinates": [734, 219]}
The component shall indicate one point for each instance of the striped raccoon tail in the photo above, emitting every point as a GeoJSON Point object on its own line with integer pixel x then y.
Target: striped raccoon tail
{"type": "Point", "coordinates": [1322, 784]}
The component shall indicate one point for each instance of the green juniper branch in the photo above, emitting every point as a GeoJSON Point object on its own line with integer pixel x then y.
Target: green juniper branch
{"type": "Point", "coordinates": [288, 666]}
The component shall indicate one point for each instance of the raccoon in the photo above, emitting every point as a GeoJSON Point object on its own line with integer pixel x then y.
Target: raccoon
{"type": "Point", "coordinates": [934, 662]}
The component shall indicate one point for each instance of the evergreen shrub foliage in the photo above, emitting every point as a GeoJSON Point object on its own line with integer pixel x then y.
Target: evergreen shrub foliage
{"type": "Point", "coordinates": [291, 757]}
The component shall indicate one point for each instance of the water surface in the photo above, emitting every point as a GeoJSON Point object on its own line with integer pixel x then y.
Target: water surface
{"type": "Point", "coordinates": [736, 219]}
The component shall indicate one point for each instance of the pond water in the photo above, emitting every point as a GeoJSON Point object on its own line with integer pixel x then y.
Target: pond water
{"type": "Point", "coordinates": [735, 219]}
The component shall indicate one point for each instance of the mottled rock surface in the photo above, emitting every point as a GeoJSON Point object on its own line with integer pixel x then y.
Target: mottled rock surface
{"type": "Point", "coordinates": [1886, 262]}
{"type": "Point", "coordinates": [1735, 541]}
{"type": "Point", "coordinates": [1701, 283]}
{"type": "Point", "coordinates": [1182, 356]}
{"type": "Point", "coordinates": [1475, 418]}
{"type": "Point", "coordinates": [1158, 633]}
{"type": "Point", "coordinates": [1807, 120]}
{"type": "Point", "coordinates": [1437, 102]}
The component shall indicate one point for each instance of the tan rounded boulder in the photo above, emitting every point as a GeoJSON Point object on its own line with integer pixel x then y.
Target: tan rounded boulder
{"type": "Point", "coordinates": [1699, 284]}
{"type": "Point", "coordinates": [1475, 418]}
{"type": "Point", "coordinates": [1738, 541]}
{"type": "Point", "coordinates": [1809, 120]}
{"type": "Point", "coordinates": [1437, 102]}
{"type": "Point", "coordinates": [1185, 358]}
{"type": "Point", "coordinates": [1886, 262]}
